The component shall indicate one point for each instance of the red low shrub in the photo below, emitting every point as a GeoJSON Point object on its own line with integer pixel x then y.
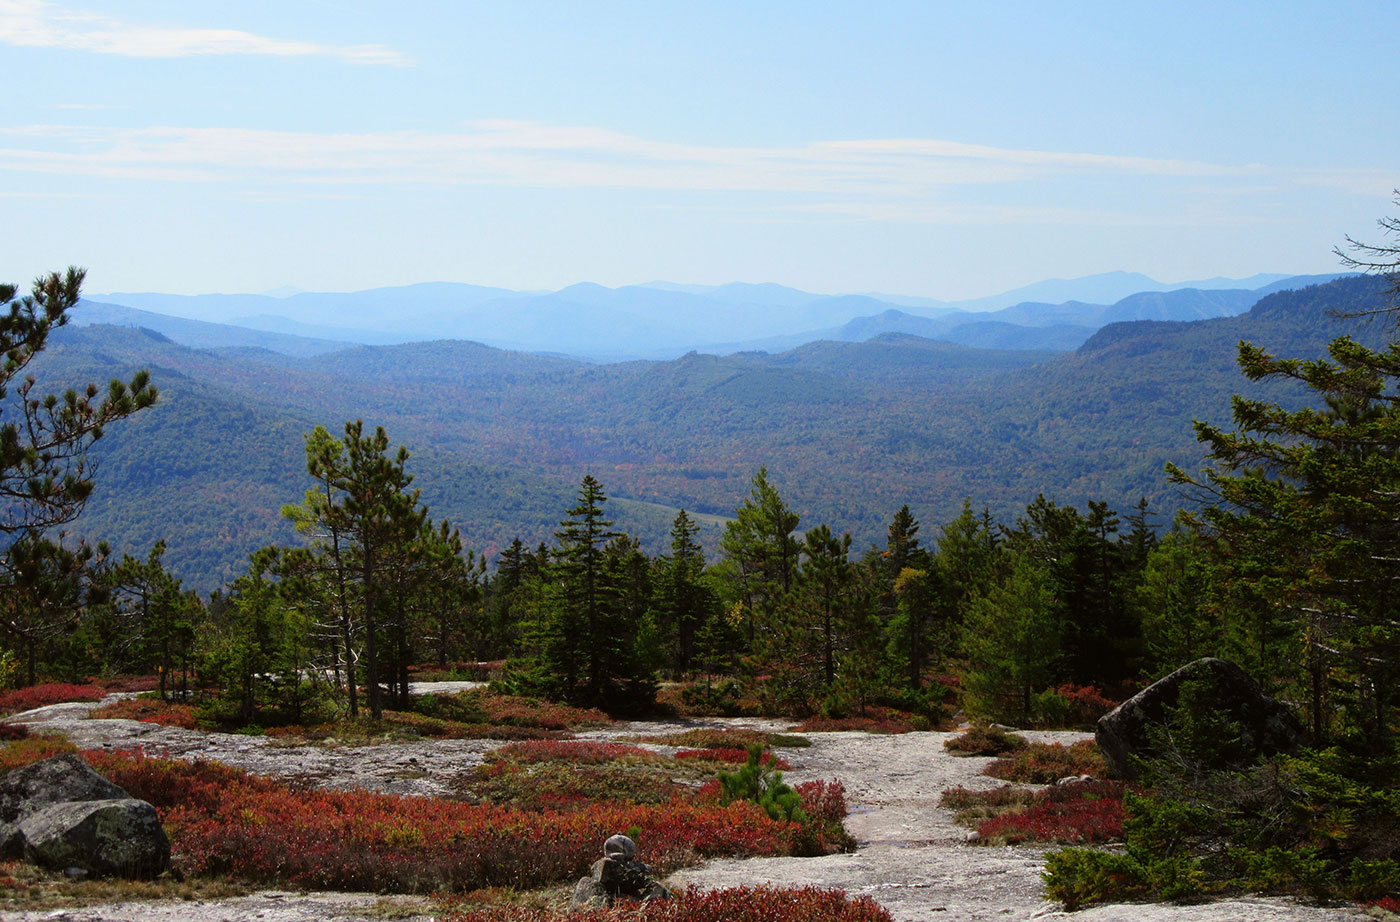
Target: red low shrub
{"type": "Point", "coordinates": [149, 710]}
{"type": "Point", "coordinates": [130, 683]}
{"type": "Point", "coordinates": [985, 741]}
{"type": "Point", "coordinates": [225, 822]}
{"type": "Point", "coordinates": [1086, 703]}
{"type": "Point", "coordinates": [823, 800]}
{"type": "Point", "coordinates": [888, 724]}
{"type": "Point", "coordinates": [533, 712]}
{"type": "Point", "coordinates": [1046, 763]}
{"type": "Point", "coordinates": [749, 904]}
{"type": "Point", "coordinates": [21, 752]}
{"type": "Point", "coordinates": [576, 751]}
{"type": "Point", "coordinates": [1071, 822]}
{"type": "Point", "coordinates": [37, 696]}
{"type": "Point", "coordinates": [733, 757]}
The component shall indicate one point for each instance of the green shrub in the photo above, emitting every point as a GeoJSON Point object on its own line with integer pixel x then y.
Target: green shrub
{"type": "Point", "coordinates": [1373, 880]}
{"type": "Point", "coordinates": [1081, 876]}
{"type": "Point", "coordinates": [1160, 828]}
{"type": "Point", "coordinates": [760, 784]}
{"type": "Point", "coordinates": [1284, 870]}
{"type": "Point", "coordinates": [1176, 879]}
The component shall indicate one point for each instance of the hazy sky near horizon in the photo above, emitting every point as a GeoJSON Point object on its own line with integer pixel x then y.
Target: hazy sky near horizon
{"type": "Point", "coordinates": [923, 148]}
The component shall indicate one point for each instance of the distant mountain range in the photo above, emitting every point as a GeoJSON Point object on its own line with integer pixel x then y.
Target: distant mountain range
{"type": "Point", "coordinates": [665, 320]}
{"type": "Point", "coordinates": [849, 431]}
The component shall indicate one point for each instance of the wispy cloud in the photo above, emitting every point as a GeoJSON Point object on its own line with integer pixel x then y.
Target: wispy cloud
{"type": "Point", "coordinates": [878, 179]}
{"type": "Point", "coordinates": [39, 24]}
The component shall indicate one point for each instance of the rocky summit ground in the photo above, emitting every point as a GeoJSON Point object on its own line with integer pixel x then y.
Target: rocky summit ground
{"type": "Point", "coordinates": [911, 857]}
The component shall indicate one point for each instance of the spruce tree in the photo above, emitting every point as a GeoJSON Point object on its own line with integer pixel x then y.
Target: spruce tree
{"type": "Point", "coordinates": [684, 600]}
{"type": "Point", "coordinates": [760, 553]}
{"type": "Point", "coordinates": [1013, 642]}
{"type": "Point", "coordinates": [1303, 516]}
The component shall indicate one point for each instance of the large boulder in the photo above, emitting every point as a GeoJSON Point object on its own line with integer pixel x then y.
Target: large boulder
{"type": "Point", "coordinates": [119, 837]}
{"type": "Point", "coordinates": [63, 814]}
{"type": "Point", "coordinates": [1265, 726]}
{"type": "Point", "coordinates": [55, 780]}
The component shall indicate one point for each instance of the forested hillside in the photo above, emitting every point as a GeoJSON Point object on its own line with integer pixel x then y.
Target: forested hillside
{"type": "Point", "coordinates": [848, 431]}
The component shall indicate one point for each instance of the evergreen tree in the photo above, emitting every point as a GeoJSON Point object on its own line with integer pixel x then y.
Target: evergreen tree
{"type": "Point", "coordinates": [760, 552]}
{"type": "Point", "coordinates": [367, 522]}
{"type": "Point", "coordinates": [685, 601]}
{"type": "Point", "coordinates": [908, 630]}
{"type": "Point", "coordinates": [160, 619]}
{"type": "Point", "coordinates": [44, 473]}
{"type": "Point", "coordinates": [451, 593]}
{"type": "Point", "coordinates": [1179, 625]}
{"type": "Point", "coordinates": [1305, 525]}
{"type": "Point", "coordinates": [967, 552]}
{"type": "Point", "coordinates": [1013, 643]}
{"type": "Point", "coordinates": [588, 637]}
{"type": "Point", "coordinates": [46, 586]}
{"type": "Point", "coordinates": [253, 652]}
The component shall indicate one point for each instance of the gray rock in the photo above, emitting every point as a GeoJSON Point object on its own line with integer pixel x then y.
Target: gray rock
{"type": "Point", "coordinates": [1266, 726]}
{"type": "Point", "coordinates": [121, 836]}
{"type": "Point", "coordinates": [55, 780]}
{"type": "Point", "coordinates": [11, 842]}
{"type": "Point", "coordinates": [588, 894]}
{"type": "Point", "coordinates": [61, 813]}
{"type": "Point", "coordinates": [617, 875]}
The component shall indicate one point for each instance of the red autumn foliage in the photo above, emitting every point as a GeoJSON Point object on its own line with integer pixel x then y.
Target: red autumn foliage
{"type": "Point", "coordinates": [1086, 703]}
{"type": "Point", "coordinates": [1046, 763]}
{"type": "Point", "coordinates": [713, 738]}
{"type": "Point", "coordinates": [1071, 822]}
{"type": "Point", "coordinates": [749, 904]}
{"type": "Point", "coordinates": [733, 757]}
{"type": "Point", "coordinates": [885, 724]}
{"type": "Point", "coordinates": [577, 751]}
{"type": "Point", "coordinates": [22, 752]}
{"type": "Point", "coordinates": [37, 696]}
{"type": "Point", "coordinates": [824, 801]}
{"type": "Point", "coordinates": [151, 711]}
{"type": "Point", "coordinates": [532, 712]}
{"type": "Point", "coordinates": [224, 821]}
{"type": "Point", "coordinates": [129, 683]}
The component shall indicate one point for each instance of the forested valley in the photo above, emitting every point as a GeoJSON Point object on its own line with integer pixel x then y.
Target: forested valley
{"type": "Point", "coordinates": [764, 561]}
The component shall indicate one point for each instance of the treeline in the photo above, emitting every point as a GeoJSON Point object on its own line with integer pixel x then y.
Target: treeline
{"type": "Point", "coordinates": [1036, 621]}
{"type": "Point", "coordinates": [1027, 621]}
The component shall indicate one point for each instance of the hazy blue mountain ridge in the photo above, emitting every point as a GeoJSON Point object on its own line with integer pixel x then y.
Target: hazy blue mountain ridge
{"type": "Point", "coordinates": [662, 321]}
{"type": "Point", "coordinates": [848, 431]}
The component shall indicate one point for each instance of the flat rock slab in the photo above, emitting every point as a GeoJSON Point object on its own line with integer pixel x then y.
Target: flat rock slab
{"type": "Point", "coordinates": [912, 858]}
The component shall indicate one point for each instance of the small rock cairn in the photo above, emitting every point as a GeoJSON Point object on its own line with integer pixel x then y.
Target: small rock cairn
{"type": "Point", "coordinates": [618, 875]}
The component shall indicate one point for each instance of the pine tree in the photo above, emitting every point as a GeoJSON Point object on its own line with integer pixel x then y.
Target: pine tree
{"type": "Point", "coordinates": [1013, 643]}
{"type": "Point", "coordinates": [367, 522]}
{"type": "Point", "coordinates": [760, 552]}
{"type": "Point", "coordinates": [588, 637]}
{"type": "Point", "coordinates": [45, 478]}
{"type": "Point", "coordinates": [685, 602]}
{"type": "Point", "coordinates": [159, 617]}
{"type": "Point", "coordinates": [1304, 524]}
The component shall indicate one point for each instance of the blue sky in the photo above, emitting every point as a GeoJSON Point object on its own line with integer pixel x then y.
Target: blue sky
{"type": "Point", "coordinates": [937, 149]}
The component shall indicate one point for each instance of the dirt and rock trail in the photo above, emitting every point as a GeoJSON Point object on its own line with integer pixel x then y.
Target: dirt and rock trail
{"type": "Point", "coordinates": [911, 857]}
